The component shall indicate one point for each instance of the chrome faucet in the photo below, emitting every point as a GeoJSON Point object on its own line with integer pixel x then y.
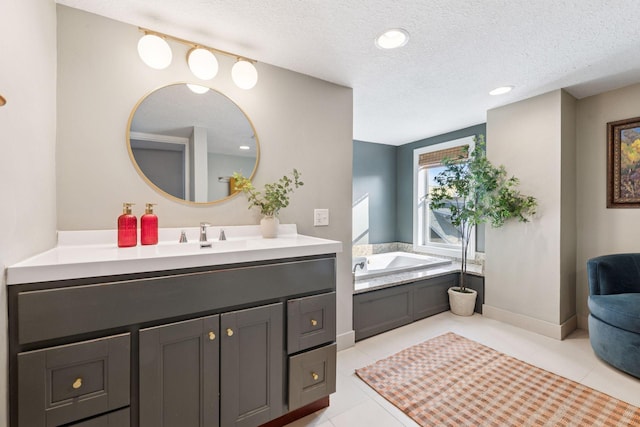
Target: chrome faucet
{"type": "Point", "coordinates": [203, 235]}
{"type": "Point", "coordinates": [358, 264]}
{"type": "Point", "coordinates": [222, 235]}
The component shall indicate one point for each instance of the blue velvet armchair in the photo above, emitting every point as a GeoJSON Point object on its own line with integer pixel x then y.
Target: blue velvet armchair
{"type": "Point", "coordinates": [614, 303]}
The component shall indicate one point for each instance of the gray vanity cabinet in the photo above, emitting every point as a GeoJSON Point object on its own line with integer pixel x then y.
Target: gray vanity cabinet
{"type": "Point", "coordinates": [199, 347]}
{"type": "Point", "coordinates": [184, 365]}
{"type": "Point", "coordinates": [179, 378]}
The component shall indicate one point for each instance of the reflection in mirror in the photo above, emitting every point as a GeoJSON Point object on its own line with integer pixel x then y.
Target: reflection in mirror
{"type": "Point", "coordinates": [188, 145]}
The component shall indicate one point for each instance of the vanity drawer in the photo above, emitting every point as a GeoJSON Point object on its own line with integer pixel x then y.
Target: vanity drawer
{"type": "Point", "coordinates": [311, 321]}
{"type": "Point", "coordinates": [119, 418]}
{"type": "Point", "coordinates": [59, 385]}
{"type": "Point", "coordinates": [312, 376]}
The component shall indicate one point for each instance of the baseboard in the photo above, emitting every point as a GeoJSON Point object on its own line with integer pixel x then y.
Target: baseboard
{"type": "Point", "coordinates": [538, 326]}
{"type": "Point", "coordinates": [346, 340]}
{"type": "Point", "coordinates": [583, 322]}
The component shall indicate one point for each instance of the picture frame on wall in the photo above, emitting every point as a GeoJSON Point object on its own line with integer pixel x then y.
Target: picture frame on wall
{"type": "Point", "coordinates": [623, 163]}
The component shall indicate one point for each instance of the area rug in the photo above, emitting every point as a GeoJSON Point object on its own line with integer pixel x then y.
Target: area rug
{"type": "Point", "coordinates": [453, 381]}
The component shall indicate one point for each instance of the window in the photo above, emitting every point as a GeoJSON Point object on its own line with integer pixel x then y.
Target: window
{"type": "Point", "coordinates": [432, 230]}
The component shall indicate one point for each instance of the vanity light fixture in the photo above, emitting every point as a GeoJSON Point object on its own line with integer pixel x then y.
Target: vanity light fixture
{"type": "Point", "coordinates": [392, 39]}
{"type": "Point", "coordinates": [202, 63]}
{"type": "Point", "coordinates": [501, 90]}
{"type": "Point", "coordinates": [154, 51]}
{"type": "Point", "coordinates": [153, 48]}
{"type": "Point", "coordinates": [244, 74]}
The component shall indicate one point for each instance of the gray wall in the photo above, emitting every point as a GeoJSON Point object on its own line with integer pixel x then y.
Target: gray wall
{"type": "Point", "coordinates": [374, 179]}
{"type": "Point", "coordinates": [404, 191]}
{"type": "Point", "coordinates": [27, 147]}
{"type": "Point", "coordinates": [301, 122]}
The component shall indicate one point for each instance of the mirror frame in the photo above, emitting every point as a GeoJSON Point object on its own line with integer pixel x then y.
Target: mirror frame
{"type": "Point", "coordinates": [160, 190]}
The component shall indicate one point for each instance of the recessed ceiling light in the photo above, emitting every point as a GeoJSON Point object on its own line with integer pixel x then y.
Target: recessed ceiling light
{"type": "Point", "coordinates": [393, 38]}
{"type": "Point", "coordinates": [245, 147]}
{"type": "Point", "coordinates": [501, 90]}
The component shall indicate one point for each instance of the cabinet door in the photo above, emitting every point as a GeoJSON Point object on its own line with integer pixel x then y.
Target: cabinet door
{"type": "Point", "coordinates": [252, 356]}
{"type": "Point", "coordinates": [179, 376]}
{"type": "Point", "coordinates": [379, 311]}
{"type": "Point", "coordinates": [430, 296]}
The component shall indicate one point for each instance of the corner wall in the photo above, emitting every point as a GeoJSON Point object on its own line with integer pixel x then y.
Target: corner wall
{"type": "Point", "coordinates": [527, 282]}
{"type": "Point", "coordinates": [374, 193]}
{"type": "Point", "coordinates": [27, 150]}
{"type": "Point", "coordinates": [301, 122]}
{"type": "Point", "coordinates": [601, 231]}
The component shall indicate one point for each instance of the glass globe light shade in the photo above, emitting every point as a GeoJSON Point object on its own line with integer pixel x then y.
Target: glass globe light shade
{"type": "Point", "coordinates": [202, 63]}
{"type": "Point", "coordinates": [244, 74]}
{"type": "Point", "coordinates": [197, 88]}
{"type": "Point", "coordinates": [154, 51]}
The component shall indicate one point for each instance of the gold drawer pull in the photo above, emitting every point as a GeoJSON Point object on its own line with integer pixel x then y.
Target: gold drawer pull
{"type": "Point", "coordinates": [229, 332]}
{"type": "Point", "coordinates": [77, 383]}
{"type": "Point", "coordinates": [314, 322]}
{"type": "Point", "coordinates": [314, 376]}
{"type": "Point", "coordinates": [212, 336]}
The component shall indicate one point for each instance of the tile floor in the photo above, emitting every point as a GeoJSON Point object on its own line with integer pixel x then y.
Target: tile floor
{"type": "Point", "coordinates": [355, 404]}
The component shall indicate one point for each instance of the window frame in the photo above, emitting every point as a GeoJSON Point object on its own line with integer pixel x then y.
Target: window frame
{"type": "Point", "coordinates": [454, 251]}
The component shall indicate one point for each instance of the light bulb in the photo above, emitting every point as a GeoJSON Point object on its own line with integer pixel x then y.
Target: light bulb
{"type": "Point", "coordinates": [244, 74]}
{"type": "Point", "coordinates": [501, 90]}
{"type": "Point", "coordinates": [391, 39]}
{"type": "Point", "coordinates": [197, 88]}
{"type": "Point", "coordinates": [154, 51]}
{"type": "Point", "coordinates": [202, 63]}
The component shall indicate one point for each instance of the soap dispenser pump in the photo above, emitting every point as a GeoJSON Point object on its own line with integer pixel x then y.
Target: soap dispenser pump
{"type": "Point", "coordinates": [127, 227]}
{"type": "Point", "coordinates": [149, 226]}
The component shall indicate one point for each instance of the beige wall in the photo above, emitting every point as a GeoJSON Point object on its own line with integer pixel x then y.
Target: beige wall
{"type": "Point", "coordinates": [526, 275]}
{"type": "Point", "coordinates": [27, 146]}
{"type": "Point", "coordinates": [568, 196]}
{"type": "Point", "coordinates": [301, 122]}
{"type": "Point", "coordinates": [600, 230]}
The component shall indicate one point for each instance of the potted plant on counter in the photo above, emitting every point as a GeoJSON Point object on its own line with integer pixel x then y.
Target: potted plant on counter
{"type": "Point", "coordinates": [274, 197]}
{"type": "Point", "coordinates": [474, 191]}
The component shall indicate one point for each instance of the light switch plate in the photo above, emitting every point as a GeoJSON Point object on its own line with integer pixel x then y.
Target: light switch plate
{"type": "Point", "coordinates": [320, 217]}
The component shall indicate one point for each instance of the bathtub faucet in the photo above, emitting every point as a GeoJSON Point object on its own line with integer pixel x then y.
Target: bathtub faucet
{"type": "Point", "coordinates": [358, 264]}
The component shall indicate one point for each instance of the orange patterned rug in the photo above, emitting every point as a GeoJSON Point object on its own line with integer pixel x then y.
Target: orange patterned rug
{"type": "Point", "coordinates": [452, 381]}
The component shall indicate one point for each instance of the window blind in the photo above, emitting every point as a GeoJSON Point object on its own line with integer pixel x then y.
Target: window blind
{"type": "Point", "coordinates": [435, 158]}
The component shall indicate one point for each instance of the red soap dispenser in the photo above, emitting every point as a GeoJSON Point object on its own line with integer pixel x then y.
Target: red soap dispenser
{"type": "Point", "coordinates": [127, 227]}
{"type": "Point", "coordinates": [149, 226]}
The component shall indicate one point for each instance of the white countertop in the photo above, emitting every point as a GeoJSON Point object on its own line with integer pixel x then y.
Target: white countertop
{"type": "Point", "coordinates": [95, 253]}
{"type": "Point", "coordinates": [395, 279]}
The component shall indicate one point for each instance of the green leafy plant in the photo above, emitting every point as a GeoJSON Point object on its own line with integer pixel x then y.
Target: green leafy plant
{"type": "Point", "coordinates": [475, 192]}
{"type": "Point", "coordinates": [275, 195]}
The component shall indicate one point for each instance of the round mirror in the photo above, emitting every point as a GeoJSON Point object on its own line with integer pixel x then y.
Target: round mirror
{"type": "Point", "coordinates": [187, 143]}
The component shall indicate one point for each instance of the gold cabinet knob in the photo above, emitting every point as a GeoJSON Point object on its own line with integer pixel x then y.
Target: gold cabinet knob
{"type": "Point", "coordinates": [314, 322]}
{"type": "Point", "coordinates": [212, 336]}
{"type": "Point", "coordinates": [229, 332]}
{"type": "Point", "coordinates": [314, 376]}
{"type": "Point", "coordinates": [77, 383]}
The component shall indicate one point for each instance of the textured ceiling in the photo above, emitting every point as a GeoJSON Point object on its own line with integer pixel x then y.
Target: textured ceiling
{"type": "Point", "coordinates": [459, 50]}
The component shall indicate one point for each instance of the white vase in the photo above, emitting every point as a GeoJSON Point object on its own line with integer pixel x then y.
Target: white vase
{"type": "Point", "coordinates": [462, 303]}
{"type": "Point", "coordinates": [269, 227]}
